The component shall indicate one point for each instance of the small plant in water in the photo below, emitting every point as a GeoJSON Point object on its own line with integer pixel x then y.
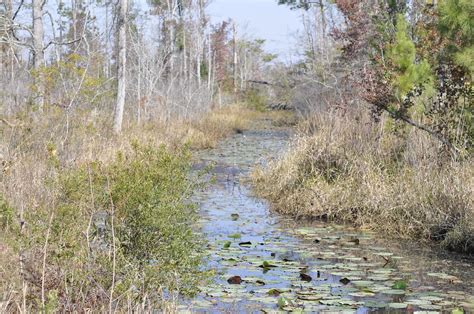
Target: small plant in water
{"type": "Point", "coordinates": [400, 284]}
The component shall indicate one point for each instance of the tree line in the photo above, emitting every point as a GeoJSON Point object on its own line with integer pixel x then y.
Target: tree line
{"type": "Point", "coordinates": [413, 60]}
{"type": "Point", "coordinates": [164, 58]}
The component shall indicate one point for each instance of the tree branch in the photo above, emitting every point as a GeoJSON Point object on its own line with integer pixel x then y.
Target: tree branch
{"type": "Point", "coordinates": [52, 42]}
{"type": "Point", "coordinates": [422, 127]}
{"type": "Point", "coordinates": [17, 10]}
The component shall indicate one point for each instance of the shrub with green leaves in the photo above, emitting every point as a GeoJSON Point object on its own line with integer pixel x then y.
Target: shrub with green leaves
{"type": "Point", "coordinates": [122, 229]}
{"type": "Point", "coordinates": [255, 99]}
{"type": "Point", "coordinates": [6, 214]}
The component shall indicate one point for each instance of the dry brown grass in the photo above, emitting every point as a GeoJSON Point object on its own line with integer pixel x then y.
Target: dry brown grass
{"type": "Point", "coordinates": [358, 172]}
{"type": "Point", "coordinates": [32, 143]}
{"type": "Point", "coordinates": [218, 124]}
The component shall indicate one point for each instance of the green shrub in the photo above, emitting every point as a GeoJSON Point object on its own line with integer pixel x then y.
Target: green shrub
{"type": "Point", "coordinates": [255, 99]}
{"type": "Point", "coordinates": [122, 229]}
{"type": "Point", "coordinates": [6, 214]}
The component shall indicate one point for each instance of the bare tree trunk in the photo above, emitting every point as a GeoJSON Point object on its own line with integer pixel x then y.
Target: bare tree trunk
{"type": "Point", "coordinates": [107, 63]}
{"type": "Point", "coordinates": [323, 18]}
{"type": "Point", "coordinates": [185, 61]}
{"type": "Point", "coordinates": [139, 92]}
{"type": "Point", "coordinates": [234, 62]}
{"type": "Point", "coordinates": [200, 41]}
{"type": "Point", "coordinates": [38, 50]}
{"type": "Point", "coordinates": [198, 67]}
{"type": "Point", "coordinates": [121, 66]}
{"type": "Point", "coordinates": [244, 74]}
{"type": "Point", "coordinates": [209, 63]}
{"type": "Point", "coordinates": [171, 25]}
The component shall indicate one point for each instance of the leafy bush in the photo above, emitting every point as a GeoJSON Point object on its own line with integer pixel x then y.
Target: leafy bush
{"type": "Point", "coordinates": [255, 99]}
{"type": "Point", "coordinates": [70, 81]}
{"type": "Point", "coordinates": [6, 214]}
{"type": "Point", "coordinates": [120, 231]}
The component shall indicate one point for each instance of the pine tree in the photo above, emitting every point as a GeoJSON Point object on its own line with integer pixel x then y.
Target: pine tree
{"type": "Point", "coordinates": [409, 73]}
{"type": "Point", "coordinates": [457, 24]}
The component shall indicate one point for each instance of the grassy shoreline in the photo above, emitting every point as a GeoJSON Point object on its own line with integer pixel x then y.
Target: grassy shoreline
{"type": "Point", "coordinates": [359, 173]}
{"type": "Point", "coordinates": [60, 174]}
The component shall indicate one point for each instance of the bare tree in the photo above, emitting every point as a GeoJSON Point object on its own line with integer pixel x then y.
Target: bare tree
{"type": "Point", "coordinates": [38, 49]}
{"type": "Point", "coordinates": [234, 59]}
{"type": "Point", "coordinates": [121, 66]}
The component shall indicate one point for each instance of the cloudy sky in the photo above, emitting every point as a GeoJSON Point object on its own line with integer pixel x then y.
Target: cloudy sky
{"type": "Point", "coordinates": [261, 19]}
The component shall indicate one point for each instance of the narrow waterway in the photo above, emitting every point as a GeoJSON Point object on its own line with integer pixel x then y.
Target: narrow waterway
{"type": "Point", "coordinates": [264, 262]}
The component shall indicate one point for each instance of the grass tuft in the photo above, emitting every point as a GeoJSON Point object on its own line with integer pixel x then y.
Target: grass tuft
{"type": "Point", "coordinates": [359, 173]}
{"type": "Point", "coordinates": [86, 215]}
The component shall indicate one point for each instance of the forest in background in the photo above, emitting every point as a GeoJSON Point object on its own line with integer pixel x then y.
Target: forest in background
{"type": "Point", "coordinates": [100, 103]}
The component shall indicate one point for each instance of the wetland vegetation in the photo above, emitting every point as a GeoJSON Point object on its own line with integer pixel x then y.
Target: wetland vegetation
{"type": "Point", "coordinates": [155, 159]}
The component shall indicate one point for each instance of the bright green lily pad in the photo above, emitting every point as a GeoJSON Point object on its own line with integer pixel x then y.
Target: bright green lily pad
{"type": "Point", "coordinates": [235, 236]}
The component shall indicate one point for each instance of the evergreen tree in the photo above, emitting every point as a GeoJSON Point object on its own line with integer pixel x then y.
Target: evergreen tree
{"type": "Point", "coordinates": [457, 24]}
{"type": "Point", "coordinates": [409, 73]}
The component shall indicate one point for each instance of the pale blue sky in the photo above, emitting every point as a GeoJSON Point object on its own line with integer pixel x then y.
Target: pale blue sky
{"type": "Point", "coordinates": [261, 19]}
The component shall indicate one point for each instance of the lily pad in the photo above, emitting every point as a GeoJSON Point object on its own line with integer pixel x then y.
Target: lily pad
{"type": "Point", "coordinates": [235, 280]}
{"type": "Point", "coordinates": [235, 236]}
{"type": "Point", "coordinates": [330, 301]}
{"type": "Point", "coordinates": [393, 291]}
{"type": "Point", "coordinates": [429, 307]}
{"type": "Point", "coordinates": [384, 254]}
{"type": "Point", "coordinates": [375, 304]}
{"type": "Point", "coordinates": [361, 294]}
{"type": "Point", "coordinates": [432, 298]}
{"type": "Point", "coordinates": [305, 277]}
{"type": "Point", "coordinates": [217, 294]}
{"type": "Point", "coordinates": [378, 278]}
{"type": "Point", "coordinates": [267, 264]}
{"type": "Point", "coordinates": [398, 305]}
{"type": "Point", "coordinates": [274, 292]}
{"type": "Point", "coordinates": [362, 283]}
{"type": "Point", "coordinates": [311, 297]}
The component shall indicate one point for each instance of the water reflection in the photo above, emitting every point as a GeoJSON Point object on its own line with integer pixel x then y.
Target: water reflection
{"type": "Point", "coordinates": [308, 266]}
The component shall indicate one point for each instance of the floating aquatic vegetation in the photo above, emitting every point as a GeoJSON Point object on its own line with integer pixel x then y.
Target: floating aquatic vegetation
{"type": "Point", "coordinates": [281, 265]}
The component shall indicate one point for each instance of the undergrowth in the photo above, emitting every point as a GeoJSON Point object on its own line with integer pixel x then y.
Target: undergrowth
{"type": "Point", "coordinates": [115, 235]}
{"type": "Point", "coordinates": [358, 172]}
{"type": "Point", "coordinates": [92, 221]}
